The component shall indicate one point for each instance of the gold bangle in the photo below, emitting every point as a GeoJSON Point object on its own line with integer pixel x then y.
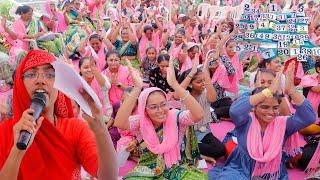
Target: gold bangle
{"type": "Point", "coordinates": [186, 94]}
{"type": "Point", "coordinates": [267, 93]}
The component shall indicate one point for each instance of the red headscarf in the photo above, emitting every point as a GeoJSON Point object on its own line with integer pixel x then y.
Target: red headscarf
{"type": "Point", "coordinates": [21, 99]}
{"type": "Point", "coordinates": [51, 155]}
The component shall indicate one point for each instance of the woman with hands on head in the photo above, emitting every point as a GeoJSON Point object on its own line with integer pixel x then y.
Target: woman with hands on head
{"type": "Point", "coordinates": [98, 82]}
{"type": "Point", "coordinates": [127, 45]}
{"type": "Point", "coordinates": [56, 136]}
{"type": "Point", "coordinates": [165, 153]}
{"type": "Point", "coordinates": [262, 133]}
{"type": "Point", "coordinates": [198, 82]}
{"type": "Point", "coordinates": [97, 46]}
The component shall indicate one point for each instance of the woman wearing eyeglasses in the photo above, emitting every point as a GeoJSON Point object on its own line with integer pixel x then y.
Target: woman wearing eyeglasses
{"type": "Point", "coordinates": [60, 143]}
{"type": "Point", "coordinates": [166, 154]}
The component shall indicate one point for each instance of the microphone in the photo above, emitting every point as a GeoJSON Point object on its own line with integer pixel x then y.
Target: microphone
{"type": "Point", "coordinates": [38, 102]}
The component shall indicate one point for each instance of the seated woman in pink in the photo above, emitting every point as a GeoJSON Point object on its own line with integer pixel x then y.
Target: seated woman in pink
{"type": "Point", "coordinates": [235, 61]}
{"type": "Point", "coordinates": [99, 83]}
{"type": "Point", "coordinates": [57, 21]}
{"type": "Point", "coordinates": [7, 44]}
{"type": "Point", "coordinates": [96, 46]}
{"type": "Point", "coordinates": [22, 26]}
{"type": "Point", "coordinates": [186, 63]}
{"type": "Point", "coordinates": [174, 47]}
{"type": "Point", "coordinates": [148, 37]}
{"type": "Point", "coordinates": [119, 76]}
{"type": "Point", "coordinates": [95, 8]}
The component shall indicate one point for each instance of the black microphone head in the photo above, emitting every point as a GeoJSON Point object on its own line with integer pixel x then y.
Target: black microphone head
{"type": "Point", "coordinates": [39, 98]}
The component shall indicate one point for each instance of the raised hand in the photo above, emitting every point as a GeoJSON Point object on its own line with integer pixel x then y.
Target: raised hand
{"type": "Point", "coordinates": [136, 76]}
{"type": "Point", "coordinates": [289, 85]}
{"type": "Point", "coordinates": [275, 86]}
{"type": "Point", "coordinates": [171, 75]}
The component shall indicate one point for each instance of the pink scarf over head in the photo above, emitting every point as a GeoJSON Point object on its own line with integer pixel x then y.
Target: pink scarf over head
{"type": "Point", "coordinates": [60, 25]}
{"type": "Point", "coordinates": [220, 76]}
{"type": "Point", "coordinates": [169, 147]}
{"type": "Point", "coordinates": [155, 42]}
{"type": "Point", "coordinates": [266, 150]}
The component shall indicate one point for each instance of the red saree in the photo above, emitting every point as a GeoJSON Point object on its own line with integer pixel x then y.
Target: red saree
{"type": "Point", "coordinates": [57, 152]}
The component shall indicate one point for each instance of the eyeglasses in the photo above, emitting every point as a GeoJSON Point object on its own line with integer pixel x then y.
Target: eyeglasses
{"type": "Point", "coordinates": [155, 107]}
{"type": "Point", "coordinates": [35, 75]}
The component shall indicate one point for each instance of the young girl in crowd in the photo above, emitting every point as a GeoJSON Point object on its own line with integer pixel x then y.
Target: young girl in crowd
{"type": "Point", "coordinates": [198, 82]}
{"type": "Point", "coordinates": [158, 76]}
{"type": "Point", "coordinates": [149, 63]}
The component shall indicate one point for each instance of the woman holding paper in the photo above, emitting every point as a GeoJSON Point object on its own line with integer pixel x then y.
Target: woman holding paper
{"type": "Point", "coordinates": [166, 154]}
{"type": "Point", "coordinates": [57, 137]}
{"type": "Point", "coordinates": [262, 133]}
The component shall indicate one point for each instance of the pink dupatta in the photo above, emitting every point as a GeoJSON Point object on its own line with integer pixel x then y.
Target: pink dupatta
{"type": "Point", "coordinates": [123, 76]}
{"type": "Point", "coordinates": [187, 64]}
{"type": "Point", "coordinates": [169, 147]}
{"type": "Point", "coordinates": [155, 42]}
{"type": "Point", "coordinates": [20, 29]}
{"type": "Point", "coordinates": [220, 76]}
{"type": "Point", "coordinates": [266, 150]}
{"type": "Point", "coordinates": [99, 57]}
{"type": "Point", "coordinates": [60, 25]}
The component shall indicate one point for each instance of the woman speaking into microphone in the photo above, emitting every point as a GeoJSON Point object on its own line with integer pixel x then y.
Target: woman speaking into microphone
{"type": "Point", "coordinates": [60, 144]}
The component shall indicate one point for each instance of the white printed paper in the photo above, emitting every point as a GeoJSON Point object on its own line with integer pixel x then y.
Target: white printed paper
{"type": "Point", "coordinates": [68, 81]}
